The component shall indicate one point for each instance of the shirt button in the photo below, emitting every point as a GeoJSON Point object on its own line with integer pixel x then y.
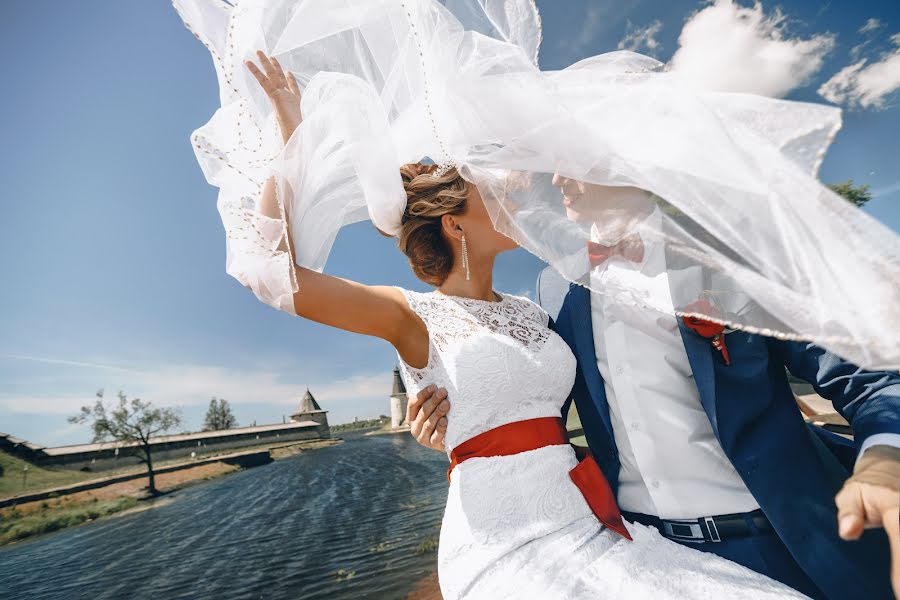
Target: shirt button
{"type": "Point", "coordinates": [620, 370]}
{"type": "Point", "coordinates": [655, 483]}
{"type": "Point", "coordinates": [635, 425]}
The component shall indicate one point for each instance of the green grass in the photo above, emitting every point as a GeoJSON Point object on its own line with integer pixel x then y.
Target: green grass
{"type": "Point", "coordinates": [429, 545]}
{"type": "Point", "coordinates": [37, 479]}
{"type": "Point", "coordinates": [366, 424]}
{"type": "Point", "coordinates": [16, 525]}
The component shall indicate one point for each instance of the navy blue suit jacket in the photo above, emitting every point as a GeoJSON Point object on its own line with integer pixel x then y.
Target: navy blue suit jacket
{"type": "Point", "coordinates": [792, 469]}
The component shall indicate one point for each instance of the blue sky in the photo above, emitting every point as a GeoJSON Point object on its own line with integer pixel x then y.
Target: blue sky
{"type": "Point", "coordinates": [112, 255]}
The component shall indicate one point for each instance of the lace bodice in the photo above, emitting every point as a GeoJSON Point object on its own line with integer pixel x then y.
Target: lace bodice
{"type": "Point", "coordinates": [498, 361]}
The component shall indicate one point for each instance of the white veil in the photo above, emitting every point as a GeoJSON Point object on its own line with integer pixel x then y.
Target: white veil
{"type": "Point", "coordinates": [744, 220]}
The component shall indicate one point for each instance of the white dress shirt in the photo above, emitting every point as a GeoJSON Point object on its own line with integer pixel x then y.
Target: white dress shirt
{"type": "Point", "coordinates": [672, 465]}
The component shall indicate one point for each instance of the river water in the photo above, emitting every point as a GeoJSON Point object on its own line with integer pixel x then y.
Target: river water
{"type": "Point", "coordinates": [347, 521]}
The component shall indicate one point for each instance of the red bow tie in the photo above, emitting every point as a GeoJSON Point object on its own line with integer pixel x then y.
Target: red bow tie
{"type": "Point", "coordinates": [630, 248]}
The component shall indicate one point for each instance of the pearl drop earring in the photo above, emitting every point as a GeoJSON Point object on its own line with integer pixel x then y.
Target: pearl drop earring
{"type": "Point", "coordinates": [465, 256]}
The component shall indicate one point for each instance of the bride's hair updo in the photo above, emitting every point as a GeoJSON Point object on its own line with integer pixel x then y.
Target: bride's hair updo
{"type": "Point", "coordinates": [428, 198]}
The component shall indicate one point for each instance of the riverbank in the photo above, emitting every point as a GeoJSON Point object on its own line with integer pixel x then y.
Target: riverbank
{"type": "Point", "coordinates": [427, 589]}
{"type": "Point", "coordinates": [61, 509]}
{"type": "Point", "coordinates": [360, 425]}
{"type": "Point", "coordinates": [31, 519]}
{"type": "Point", "coordinates": [388, 431]}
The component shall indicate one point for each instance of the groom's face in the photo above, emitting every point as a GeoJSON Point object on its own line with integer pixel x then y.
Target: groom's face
{"type": "Point", "coordinates": [592, 203]}
{"type": "Point", "coordinates": [573, 193]}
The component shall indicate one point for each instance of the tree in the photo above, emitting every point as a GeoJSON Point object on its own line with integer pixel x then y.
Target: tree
{"type": "Point", "coordinates": [219, 416]}
{"type": "Point", "coordinates": [129, 422]}
{"type": "Point", "coordinates": [858, 195]}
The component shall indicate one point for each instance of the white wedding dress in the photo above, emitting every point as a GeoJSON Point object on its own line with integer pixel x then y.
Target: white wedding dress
{"type": "Point", "coordinates": [517, 526]}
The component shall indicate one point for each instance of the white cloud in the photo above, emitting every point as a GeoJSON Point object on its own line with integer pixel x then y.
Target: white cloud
{"type": "Point", "coordinates": [640, 39]}
{"type": "Point", "coordinates": [68, 363]}
{"type": "Point", "coordinates": [587, 33]}
{"type": "Point", "coordinates": [867, 32]}
{"type": "Point", "coordinates": [886, 190]}
{"type": "Point", "coordinates": [728, 47]}
{"type": "Point", "coordinates": [871, 25]}
{"type": "Point", "coordinates": [193, 385]}
{"type": "Point", "coordinates": [864, 84]}
{"type": "Point", "coordinates": [857, 50]}
{"type": "Point", "coordinates": [590, 29]}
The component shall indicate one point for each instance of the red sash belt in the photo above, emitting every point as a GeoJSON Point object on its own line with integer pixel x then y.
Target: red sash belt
{"type": "Point", "coordinates": [531, 434]}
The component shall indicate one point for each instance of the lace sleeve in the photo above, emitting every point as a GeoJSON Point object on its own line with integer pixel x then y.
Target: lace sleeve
{"type": "Point", "coordinates": [257, 253]}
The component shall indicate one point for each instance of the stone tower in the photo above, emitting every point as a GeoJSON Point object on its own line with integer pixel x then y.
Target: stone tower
{"type": "Point", "coordinates": [398, 402]}
{"type": "Point", "coordinates": [310, 410]}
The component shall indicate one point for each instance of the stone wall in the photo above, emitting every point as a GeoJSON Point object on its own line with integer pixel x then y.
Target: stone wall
{"type": "Point", "coordinates": [105, 458]}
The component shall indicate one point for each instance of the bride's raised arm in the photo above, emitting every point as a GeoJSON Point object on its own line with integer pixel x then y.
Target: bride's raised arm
{"type": "Point", "coordinates": [379, 311]}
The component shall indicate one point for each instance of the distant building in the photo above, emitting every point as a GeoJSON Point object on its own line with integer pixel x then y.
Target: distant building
{"type": "Point", "coordinates": [310, 410]}
{"type": "Point", "coordinates": [308, 423]}
{"type": "Point", "coordinates": [399, 402]}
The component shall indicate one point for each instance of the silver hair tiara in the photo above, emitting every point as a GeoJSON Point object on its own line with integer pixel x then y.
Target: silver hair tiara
{"type": "Point", "coordinates": [443, 168]}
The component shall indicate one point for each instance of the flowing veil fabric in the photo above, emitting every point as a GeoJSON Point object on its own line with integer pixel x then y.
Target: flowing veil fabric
{"type": "Point", "coordinates": [753, 239]}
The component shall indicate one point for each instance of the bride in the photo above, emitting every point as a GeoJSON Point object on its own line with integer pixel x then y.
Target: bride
{"type": "Point", "coordinates": [388, 82]}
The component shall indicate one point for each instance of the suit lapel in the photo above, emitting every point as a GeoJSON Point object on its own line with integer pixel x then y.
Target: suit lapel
{"type": "Point", "coordinates": [583, 332]}
{"type": "Point", "coordinates": [699, 349]}
{"type": "Point", "coordinates": [699, 353]}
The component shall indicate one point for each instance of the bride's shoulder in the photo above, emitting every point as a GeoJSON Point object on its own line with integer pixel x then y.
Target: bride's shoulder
{"type": "Point", "coordinates": [419, 302]}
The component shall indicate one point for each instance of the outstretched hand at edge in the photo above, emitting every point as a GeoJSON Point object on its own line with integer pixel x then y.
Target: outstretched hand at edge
{"type": "Point", "coordinates": [871, 499]}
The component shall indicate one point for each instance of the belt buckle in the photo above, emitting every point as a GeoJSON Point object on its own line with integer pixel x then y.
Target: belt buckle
{"type": "Point", "coordinates": [712, 529]}
{"type": "Point", "coordinates": [688, 530]}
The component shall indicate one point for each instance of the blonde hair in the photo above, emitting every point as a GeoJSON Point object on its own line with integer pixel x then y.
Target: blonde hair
{"type": "Point", "coordinates": [428, 198]}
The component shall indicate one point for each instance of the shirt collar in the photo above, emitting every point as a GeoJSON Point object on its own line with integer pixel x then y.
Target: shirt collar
{"type": "Point", "coordinates": [652, 222]}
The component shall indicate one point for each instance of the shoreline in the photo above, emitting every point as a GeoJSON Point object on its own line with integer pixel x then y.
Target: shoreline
{"type": "Point", "coordinates": [426, 589]}
{"type": "Point", "coordinates": [404, 429]}
{"type": "Point", "coordinates": [33, 518]}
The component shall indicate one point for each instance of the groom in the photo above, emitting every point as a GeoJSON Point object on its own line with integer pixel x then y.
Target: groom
{"type": "Point", "coordinates": [715, 455]}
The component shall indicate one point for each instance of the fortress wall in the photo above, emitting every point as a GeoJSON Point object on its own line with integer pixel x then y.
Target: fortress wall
{"type": "Point", "coordinates": [319, 417]}
{"type": "Point", "coordinates": [105, 459]}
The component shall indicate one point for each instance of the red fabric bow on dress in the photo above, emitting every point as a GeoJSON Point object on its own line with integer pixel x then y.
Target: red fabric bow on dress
{"type": "Point", "coordinates": [630, 248]}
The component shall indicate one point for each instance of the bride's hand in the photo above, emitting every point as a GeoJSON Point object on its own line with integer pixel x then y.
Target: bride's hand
{"type": "Point", "coordinates": [281, 89]}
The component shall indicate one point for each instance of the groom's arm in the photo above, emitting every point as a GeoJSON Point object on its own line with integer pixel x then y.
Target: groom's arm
{"type": "Point", "coordinates": [427, 417]}
{"type": "Point", "coordinates": [870, 401]}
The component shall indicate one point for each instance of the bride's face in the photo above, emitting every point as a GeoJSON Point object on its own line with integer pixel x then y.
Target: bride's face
{"type": "Point", "coordinates": [482, 238]}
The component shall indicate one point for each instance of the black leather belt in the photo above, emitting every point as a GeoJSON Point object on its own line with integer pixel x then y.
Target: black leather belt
{"type": "Point", "coordinates": [720, 528]}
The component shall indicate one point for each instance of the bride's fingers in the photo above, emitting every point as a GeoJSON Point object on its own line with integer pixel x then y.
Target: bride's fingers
{"type": "Point", "coordinates": [260, 77]}
{"type": "Point", "coordinates": [280, 80]}
{"type": "Point", "coordinates": [292, 84]}
{"type": "Point", "coordinates": [269, 68]}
